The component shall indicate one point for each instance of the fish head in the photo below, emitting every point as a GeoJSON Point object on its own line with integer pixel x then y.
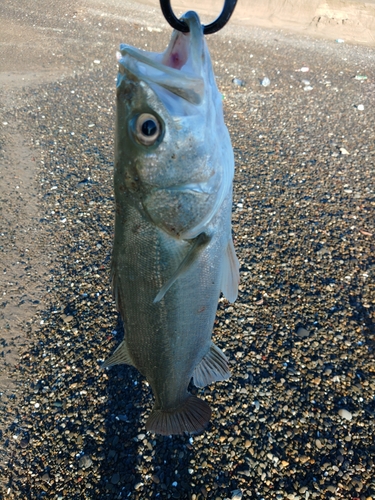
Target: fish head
{"type": "Point", "coordinates": [173, 153]}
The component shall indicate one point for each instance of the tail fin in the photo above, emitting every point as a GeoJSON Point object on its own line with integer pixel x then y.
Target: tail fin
{"type": "Point", "coordinates": [192, 416]}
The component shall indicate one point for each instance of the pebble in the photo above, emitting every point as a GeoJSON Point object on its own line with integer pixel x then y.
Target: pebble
{"type": "Point", "coordinates": [237, 495]}
{"type": "Point", "coordinates": [345, 414]}
{"type": "Point", "coordinates": [239, 82]}
{"type": "Point", "coordinates": [46, 477]}
{"type": "Point", "coordinates": [318, 444]}
{"type": "Point", "coordinates": [344, 151]}
{"type": "Point", "coordinates": [302, 332]}
{"type": "Point", "coordinates": [331, 489]}
{"type": "Point", "coordinates": [85, 462]}
{"type": "Point", "coordinates": [115, 478]}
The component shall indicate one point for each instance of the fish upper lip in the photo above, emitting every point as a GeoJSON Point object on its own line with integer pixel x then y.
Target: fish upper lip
{"type": "Point", "coordinates": [142, 57]}
{"type": "Point", "coordinates": [194, 44]}
{"type": "Point", "coordinates": [187, 80]}
{"type": "Point", "coordinates": [189, 86]}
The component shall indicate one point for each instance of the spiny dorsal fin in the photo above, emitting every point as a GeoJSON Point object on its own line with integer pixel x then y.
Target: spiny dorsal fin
{"type": "Point", "coordinates": [230, 275]}
{"type": "Point", "coordinates": [212, 368]}
{"type": "Point", "coordinates": [119, 357]}
{"type": "Point", "coordinates": [191, 416]}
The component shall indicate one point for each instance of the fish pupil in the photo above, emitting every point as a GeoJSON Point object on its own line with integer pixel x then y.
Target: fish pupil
{"type": "Point", "coordinates": [149, 128]}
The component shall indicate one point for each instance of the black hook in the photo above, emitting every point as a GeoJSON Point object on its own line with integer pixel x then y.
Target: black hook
{"type": "Point", "coordinates": [215, 26]}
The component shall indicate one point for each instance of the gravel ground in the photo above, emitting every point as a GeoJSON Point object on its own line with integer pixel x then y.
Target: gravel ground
{"type": "Point", "coordinates": [296, 420]}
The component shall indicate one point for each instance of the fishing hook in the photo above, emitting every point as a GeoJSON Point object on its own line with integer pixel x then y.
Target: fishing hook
{"type": "Point", "coordinates": [215, 26]}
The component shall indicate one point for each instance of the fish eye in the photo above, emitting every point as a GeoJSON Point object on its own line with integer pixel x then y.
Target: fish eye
{"type": "Point", "coordinates": [147, 129]}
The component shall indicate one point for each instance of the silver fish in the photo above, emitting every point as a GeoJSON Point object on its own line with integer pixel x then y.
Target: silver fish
{"type": "Point", "coordinates": [173, 251]}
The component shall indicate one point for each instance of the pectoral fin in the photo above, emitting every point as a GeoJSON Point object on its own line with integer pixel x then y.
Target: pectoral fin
{"type": "Point", "coordinates": [198, 245]}
{"type": "Point", "coordinates": [231, 276]}
{"type": "Point", "coordinates": [212, 368]}
{"type": "Point", "coordinates": [119, 357]}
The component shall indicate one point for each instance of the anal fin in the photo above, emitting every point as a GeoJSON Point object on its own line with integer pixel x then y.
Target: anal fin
{"type": "Point", "coordinates": [198, 244]}
{"type": "Point", "coordinates": [191, 416]}
{"type": "Point", "coordinates": [212, 368]}
{"type": "Point", "coordinates": [119, 357]}
{"type": "Point", "coordinates": [231, 275]}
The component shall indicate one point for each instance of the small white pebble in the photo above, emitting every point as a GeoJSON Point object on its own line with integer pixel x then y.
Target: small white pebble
{"type": "Point", "coordinates": [236, 495]}
{"type": "Point", "coordinates": [345, 414]}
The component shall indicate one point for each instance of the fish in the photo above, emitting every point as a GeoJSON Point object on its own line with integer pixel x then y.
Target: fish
{"type": "Point", "coordinates": [173, 251]}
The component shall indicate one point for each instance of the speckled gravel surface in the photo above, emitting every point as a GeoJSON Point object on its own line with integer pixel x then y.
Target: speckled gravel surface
{"type": "Point", "coordinates": [296, 420]}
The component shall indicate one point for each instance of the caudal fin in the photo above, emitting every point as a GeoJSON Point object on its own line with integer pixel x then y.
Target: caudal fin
{"type": "Point", "coordinates": [192, 416]}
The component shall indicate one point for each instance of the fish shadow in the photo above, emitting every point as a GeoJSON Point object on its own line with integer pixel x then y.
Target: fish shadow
{"type": "Point", "coordinates": [171, 463]}
{"type": "Point", "coordinates": [127, 401]}
{"type": "Point", "coordinates": [133, 462]}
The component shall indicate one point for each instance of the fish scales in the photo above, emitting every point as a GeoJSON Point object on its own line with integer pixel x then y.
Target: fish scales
{"type": "Point", "coordinates": [173, 252]}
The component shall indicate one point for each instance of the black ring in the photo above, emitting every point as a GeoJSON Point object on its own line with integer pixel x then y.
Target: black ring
{"type": "Point", "coordinates": [215, 26]}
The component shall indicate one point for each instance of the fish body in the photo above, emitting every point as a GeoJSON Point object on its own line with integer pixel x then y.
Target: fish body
{"type": "Point", "coordinates": [173, 252]}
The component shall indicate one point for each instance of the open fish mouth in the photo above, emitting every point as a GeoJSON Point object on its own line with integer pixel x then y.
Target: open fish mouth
{"type": "Point", "coordinates": [179, 69]}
